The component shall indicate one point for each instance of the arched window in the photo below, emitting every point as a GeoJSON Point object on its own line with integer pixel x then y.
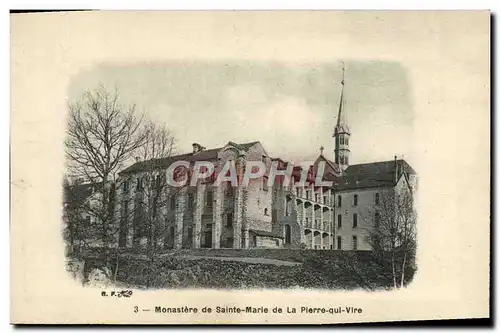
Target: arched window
{"type": "Point", "coordinates": [377, 199]}
{"type": "Point", "coordinates": [339, 242]}
{"type": "Point", "coordinates": [339, 221]}
{"type": "Point", "coordinates": [355, 199]}
{"type": "Point", "coordinates": [265, 212]}
{"type": "Point", "coordinates": [341, 140]}
{"type": "Point", "coordinates": [339, 201]}
{"type": "Point", "coordinates": [377, 219]}
{"type": "Point", "coordinates": [288, 234]}
{"type": "Point", "coordinates": [355, 220]}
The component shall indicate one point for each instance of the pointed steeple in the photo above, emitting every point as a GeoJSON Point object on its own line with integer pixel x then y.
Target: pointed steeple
{"type": "Point", "coordinates": [342, 125]}
{"type": "Point", "coordinates": [341, 133]}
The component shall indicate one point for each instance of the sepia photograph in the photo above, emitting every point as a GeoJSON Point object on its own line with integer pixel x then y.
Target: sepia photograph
{"type": "Point", "coordinates": [249, 167]}
{"type": "Point", "coordinates": [144, 210]}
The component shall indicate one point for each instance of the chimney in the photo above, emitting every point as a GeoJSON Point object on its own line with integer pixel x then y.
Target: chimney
{"type": "Point", "coordinates": [197, 148]}
{"type": "Point", "coordinates": [137, 159]}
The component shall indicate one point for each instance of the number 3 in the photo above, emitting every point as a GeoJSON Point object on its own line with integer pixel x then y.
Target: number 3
{"type": "Point", "coordinates": [136, 309]}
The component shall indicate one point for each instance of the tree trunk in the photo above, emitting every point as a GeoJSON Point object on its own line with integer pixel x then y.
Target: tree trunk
{"type": "Point", "coordinates": [151, 241]}
{"type": "Point", "coordinates": [403, 271]}
{"type": "Point", "coordinates": [71, 242]}
{"type": "Point", "coordinates": [116, 268]}
{"type": "Point", "coordinates": [394, 270]}
{"type": "Point", "coordinates": [104, 214]}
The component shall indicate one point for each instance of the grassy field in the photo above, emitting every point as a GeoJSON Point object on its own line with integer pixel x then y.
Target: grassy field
{"type": "Point", "coordinates": [242, 269]}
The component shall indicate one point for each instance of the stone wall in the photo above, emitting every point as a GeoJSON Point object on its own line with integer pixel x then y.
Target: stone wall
{"type": "Point", "coordinates": [268, 242]}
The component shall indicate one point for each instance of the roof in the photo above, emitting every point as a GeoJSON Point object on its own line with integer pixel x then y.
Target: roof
{"type": "Point", "coordinates": [372, 175]}
{"type": "Point", "coordinates": [330, 163]}
{"type": "Point", "coordinates": [263, 233]}
{"type": "Point", "coordinates": [76, 195]}
{"type": "Point", "coordinates": [205, 155]}
{"type": "Point", "coordinates": [379, 167]}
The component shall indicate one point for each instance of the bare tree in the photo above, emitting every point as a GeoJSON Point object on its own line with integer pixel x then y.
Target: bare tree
{"type": "Point", "coordinates": [102, 134]}
{"type": "Point", "coordinates": [154, 193]}
{"type": "Point", "coordinates": [393, 232]}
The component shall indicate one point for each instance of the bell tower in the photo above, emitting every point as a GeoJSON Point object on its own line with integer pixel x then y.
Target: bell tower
{"type": "Point", "coordinates": [341, 133]}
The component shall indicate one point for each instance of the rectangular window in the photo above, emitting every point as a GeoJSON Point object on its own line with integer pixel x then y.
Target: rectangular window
{"type": "Point", "coordinates": [125, 186]}
{"type": "Point", "coordinates": [324, 200]}
{"type": "Point", "coordinates": [354, 242]}
{"type": "Point", "coordinates": [377, 199]}
{"type": "Point", "coordinates": [209, 199]}
{"type": "Point", "coordinates": [229, 190]}
{"type": "Point", "coordinates": [339, 242]}
{"type": "Point", "coordinates": [190, 201]}
{"type": "Point", "coordinates": [155, 206]}
{"type": "Point", "coordinates": [229, 219]}
{"type": "Point", "coordinates": [125, 210]}
{"type": "Point", "coordinates": [339, 201]}
{"type": "Point", "coordinates": [355, 200]}
{"type": "Point", "coordinates": [229, 242]}
{"type": "Point", "coordinates": [355, 220]}
{"type": "Point", "coordinates": [339, 221]}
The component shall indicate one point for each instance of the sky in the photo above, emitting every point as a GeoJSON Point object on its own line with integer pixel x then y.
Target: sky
{"type": "Point", "coordinates": [291, 108]}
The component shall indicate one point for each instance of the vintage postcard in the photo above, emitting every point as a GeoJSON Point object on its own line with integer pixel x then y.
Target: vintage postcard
{"type": "Point", "coordinates": [302, 167]}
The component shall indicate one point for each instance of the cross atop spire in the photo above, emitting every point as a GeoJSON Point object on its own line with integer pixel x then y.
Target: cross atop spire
{"type": "Point", "coordinates": [343, 73]}
{"type": "Point", "coordinates": [321, 149]}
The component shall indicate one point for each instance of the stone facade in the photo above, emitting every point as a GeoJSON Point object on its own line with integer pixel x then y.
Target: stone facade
{"type": "Point", "coordinates": [223, 216]}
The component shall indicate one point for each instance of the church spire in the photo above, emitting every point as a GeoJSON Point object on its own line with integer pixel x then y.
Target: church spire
{"type": "Point", "coordinates": [341, 133]}
{"type": "Point", "coordinates": [341, 117]}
